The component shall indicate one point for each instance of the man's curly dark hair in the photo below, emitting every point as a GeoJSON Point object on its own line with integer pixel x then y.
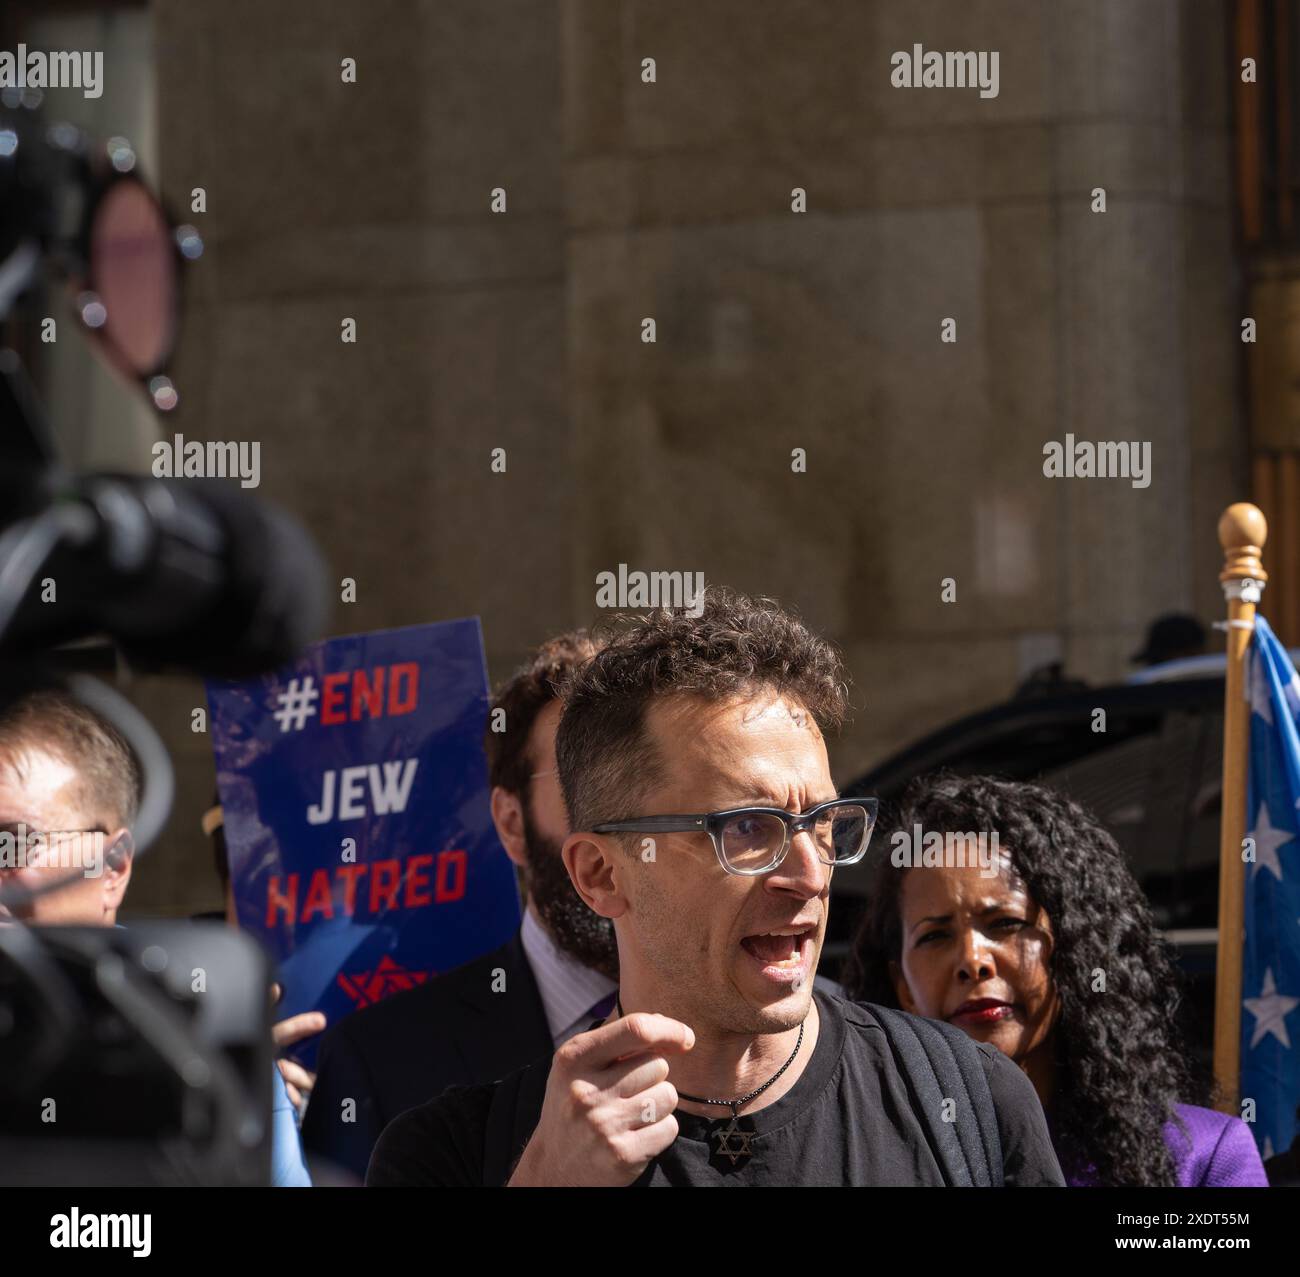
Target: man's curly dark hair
{"type": "Point", "coordinates": [736, 647]}
{"type": "Point", "coordinates": [1120, 1063]}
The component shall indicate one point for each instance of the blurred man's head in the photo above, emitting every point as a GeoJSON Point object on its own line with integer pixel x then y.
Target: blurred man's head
{"type": "Point", "coordinates": [684, 716]}
{"type": "Point", "coordinates": [527, 805]}
{"type": "Point", "coordinates": [67, 777]}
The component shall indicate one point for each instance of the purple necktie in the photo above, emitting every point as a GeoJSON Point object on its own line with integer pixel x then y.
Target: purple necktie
{"type": "Point", "coordinates": [602, 1008]}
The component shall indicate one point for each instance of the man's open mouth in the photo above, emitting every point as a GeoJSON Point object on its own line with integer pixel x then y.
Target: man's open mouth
{"type": "Point", "coordinates": [785, 949]}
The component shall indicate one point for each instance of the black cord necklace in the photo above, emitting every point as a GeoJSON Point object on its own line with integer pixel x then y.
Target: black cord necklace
{"type": "Point", "coordinates": [733, 1129]}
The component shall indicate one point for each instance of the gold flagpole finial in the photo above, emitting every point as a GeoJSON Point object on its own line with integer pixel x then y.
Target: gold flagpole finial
{"type": "Point", "coordinates": [1242, 533]}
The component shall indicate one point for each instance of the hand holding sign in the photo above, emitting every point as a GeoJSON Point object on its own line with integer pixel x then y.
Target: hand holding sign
{"type": "Point", "coordinates": [298, 1081]}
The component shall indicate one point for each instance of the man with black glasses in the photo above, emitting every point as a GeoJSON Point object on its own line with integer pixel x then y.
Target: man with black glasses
{"type": "Point", "coordinates": [69, 790]}
{"type": "Point", "coordinates": [694, 769]}
{"type": "Point", "coordinates": [68, 777]}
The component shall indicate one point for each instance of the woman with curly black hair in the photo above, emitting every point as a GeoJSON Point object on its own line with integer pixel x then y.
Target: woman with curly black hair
{"type": "Point", "coordinates": [1047, 950]}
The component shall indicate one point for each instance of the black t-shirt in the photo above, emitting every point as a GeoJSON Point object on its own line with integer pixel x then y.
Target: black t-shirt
{"type": "Point", "coordinates": [848, 1120]}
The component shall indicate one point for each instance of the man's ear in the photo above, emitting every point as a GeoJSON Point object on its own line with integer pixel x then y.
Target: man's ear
{"type": "Point", "coordinates": [901, 991]}
{"type": "Point", "coordinates": [508, 817]}
{"type": "Point", "coordinates": [119, 853]}
{"type": "Point", "coordinates": [594, 869]}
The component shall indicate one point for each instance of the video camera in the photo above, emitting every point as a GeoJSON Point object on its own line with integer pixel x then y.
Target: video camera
{"type": "Point", "coordinates": [137, 1055]}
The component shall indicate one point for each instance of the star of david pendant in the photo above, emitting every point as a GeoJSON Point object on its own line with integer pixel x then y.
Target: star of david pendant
{"type": "Point", "coordinates": [734, 1142]}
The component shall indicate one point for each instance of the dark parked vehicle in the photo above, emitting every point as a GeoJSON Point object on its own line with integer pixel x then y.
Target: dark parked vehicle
{"type": "Point", "coordinates": [1153, 776]}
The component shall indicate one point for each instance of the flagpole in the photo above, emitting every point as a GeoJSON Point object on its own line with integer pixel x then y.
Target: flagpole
{"type": "Point", "coordinates": [1242, 533]}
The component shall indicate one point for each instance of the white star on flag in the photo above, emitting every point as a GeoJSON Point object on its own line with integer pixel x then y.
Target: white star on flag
{"type": "Point", "coordinates": [1291, 694]}
{"type": "Point", "coordinates": [1260, 700]}
{"type": "Point", "coordinates": [1268, 839]}
{"type": "Point", "coordinates": [1270, 1010]}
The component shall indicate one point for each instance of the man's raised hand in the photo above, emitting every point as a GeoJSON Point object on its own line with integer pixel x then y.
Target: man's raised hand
{"type": "Point", "coordinates": [608, 1110]}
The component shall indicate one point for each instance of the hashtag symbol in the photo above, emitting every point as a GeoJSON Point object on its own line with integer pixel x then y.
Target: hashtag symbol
{"type": "Point", "coordinates": [296, 703]}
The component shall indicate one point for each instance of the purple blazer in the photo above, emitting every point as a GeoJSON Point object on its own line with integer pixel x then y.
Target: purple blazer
{"type": "Point", "coordinates": [1218, 1151]}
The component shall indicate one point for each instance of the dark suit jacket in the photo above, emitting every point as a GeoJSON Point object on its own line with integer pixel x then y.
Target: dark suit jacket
{"type": "Point", "coordinates": [449, 1031]}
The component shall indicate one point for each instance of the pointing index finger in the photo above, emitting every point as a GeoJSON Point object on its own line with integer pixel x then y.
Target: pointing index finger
{"type": "Point", "coordinates": [634, 1034]}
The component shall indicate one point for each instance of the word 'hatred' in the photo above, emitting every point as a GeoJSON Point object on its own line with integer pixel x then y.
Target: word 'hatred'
{"type": "Point", "coordinates": [380, 883]}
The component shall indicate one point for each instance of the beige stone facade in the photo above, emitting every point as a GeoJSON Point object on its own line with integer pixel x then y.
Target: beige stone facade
{"type": "Point", "coordinates": [776, 330]}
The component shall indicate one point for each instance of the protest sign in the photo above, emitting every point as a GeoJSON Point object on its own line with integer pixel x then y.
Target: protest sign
{"type": "Point", "coordinates": [355, 798]}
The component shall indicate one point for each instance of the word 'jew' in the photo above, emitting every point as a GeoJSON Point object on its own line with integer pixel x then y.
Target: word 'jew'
{"type": "Point", "coordinates": [388, 794]}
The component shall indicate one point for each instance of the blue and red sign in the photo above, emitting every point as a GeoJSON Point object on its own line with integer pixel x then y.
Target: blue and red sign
{"type": "Point", "coordinates": [355, 798]}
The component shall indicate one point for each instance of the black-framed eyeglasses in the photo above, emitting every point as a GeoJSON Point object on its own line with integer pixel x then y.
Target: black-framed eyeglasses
{"type": "Point", "coordinates": [755, 840]}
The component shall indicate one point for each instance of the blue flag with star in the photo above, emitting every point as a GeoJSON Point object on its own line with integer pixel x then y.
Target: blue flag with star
{"type": "Point", "coordinates": [1270, 978]}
